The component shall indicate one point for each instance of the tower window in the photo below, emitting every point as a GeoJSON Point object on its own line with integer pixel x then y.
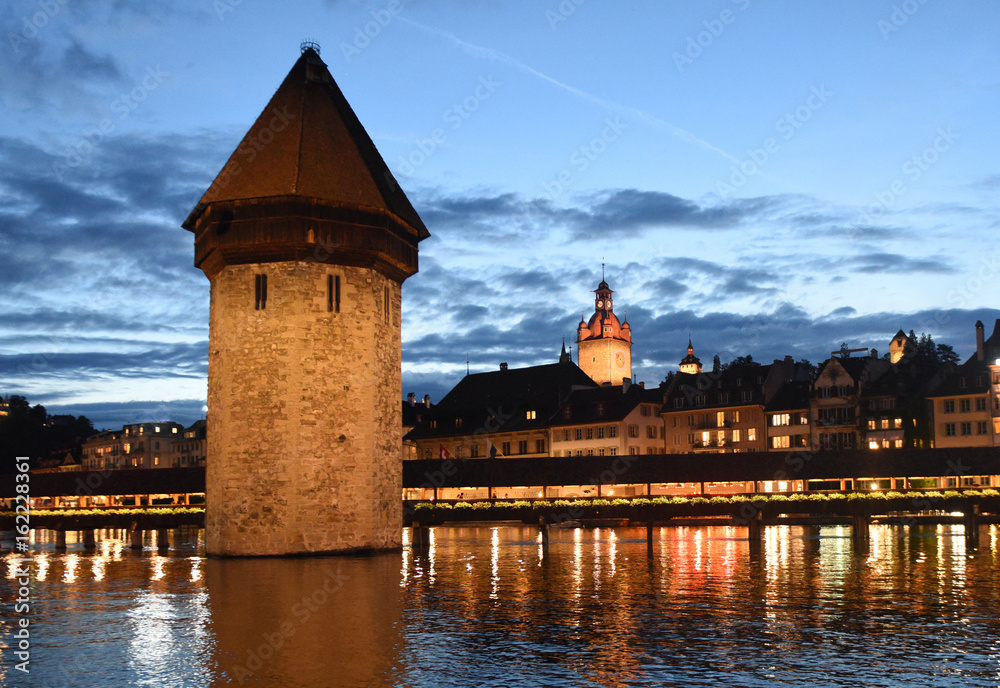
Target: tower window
{"type": "Point", "coordinates": [260, 292]}
{"type": "Point", "coordinates": [333, 293]}
{"type": "Point", "coordinates": [388, 306]}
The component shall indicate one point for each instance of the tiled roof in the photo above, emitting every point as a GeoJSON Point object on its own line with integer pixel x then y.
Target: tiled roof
{"type": "Point", "coordinates": [499, 400]}
{"type": "Point", "coordinates": [308, 142]}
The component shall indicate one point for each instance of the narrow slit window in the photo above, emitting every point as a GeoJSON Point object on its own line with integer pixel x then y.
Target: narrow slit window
{"type": "Point", "coordinates": [336, 293]}
{"type": "Point", "coordinates": [329, 293]}
{"type": "Point", "coordinates": [388, 307]}
{"type": "Point", "coordinates": [260, 292]}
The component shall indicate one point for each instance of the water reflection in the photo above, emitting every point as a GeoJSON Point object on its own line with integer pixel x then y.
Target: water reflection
{"type": "Point", "coordinates": [492, 606]}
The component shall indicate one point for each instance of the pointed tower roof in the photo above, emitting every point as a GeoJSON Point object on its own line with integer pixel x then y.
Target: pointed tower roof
{"type": "Point", "coordinates": [307, 184]}
{"type": "Point", "coordinates": [308, 142]}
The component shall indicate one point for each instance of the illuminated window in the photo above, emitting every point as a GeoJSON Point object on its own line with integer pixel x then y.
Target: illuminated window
{"type": "Point", "coordinates": [706, 438]}
{"type": "Point", "coordinates": [751, 434]}
{"type": "Point", "coordinates": [871, 424]}
{"type": "Point", "coordinates": [780, 442]}
{"type": "Point", "coordinates": [873, 444]}
{"type": "Point", "coordinates": [156, 460]}
{"type": "Point", "coordinates": [781, 419]}
{"type": "Point", "coordinates": [736, 416]}
{"type": "Point", "coordinates": [736, 435]}
{"type": "Point", "coordinates": [885, 423]}
{"type": "Point", "coordinates": [720, 419]}
{"type": "Point", "coordinates": [898, 422]}
{"type": "Point", "coordinates": [530, 415]}
{"type": "Point", "coordinates": [899, 444]}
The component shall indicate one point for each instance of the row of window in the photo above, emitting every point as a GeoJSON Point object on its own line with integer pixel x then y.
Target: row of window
{"type": "Point", "coordinates": [333, 295]}
{"type": "Point", "coordinates": [884, 423]}
{"type": "Point", "coordinates": [718, 438]}
{"type": "Point", "coordinates": [746, 396]}
{"type": "Point", "coordinates": [982, 428]}
{"type": "Point", "coordinates": [779, 419]}
{"type": "Point", "coordinates": [964, 405]}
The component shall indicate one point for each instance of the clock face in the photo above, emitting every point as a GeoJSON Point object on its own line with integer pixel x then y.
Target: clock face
{"type": "Point", "coordinates": [620, 359]}
{"type": "Point", "coordinates": [600, 304]}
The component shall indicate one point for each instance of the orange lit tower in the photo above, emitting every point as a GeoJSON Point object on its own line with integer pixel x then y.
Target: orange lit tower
{"type": "Point", "coordinates": [603, 344]}
{"type": "Point", "coordinates": [306, 240]}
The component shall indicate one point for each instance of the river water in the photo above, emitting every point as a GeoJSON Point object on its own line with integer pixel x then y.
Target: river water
{"type": "Point", "coordinates": [489, 606]}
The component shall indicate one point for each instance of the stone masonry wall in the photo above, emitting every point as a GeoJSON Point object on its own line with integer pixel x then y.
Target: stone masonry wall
{"type": "Point", "coordinates": [303, 413]}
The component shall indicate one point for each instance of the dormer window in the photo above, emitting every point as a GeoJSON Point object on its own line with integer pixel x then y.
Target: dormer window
{"type": "Point", "coordinates": [530, 415]}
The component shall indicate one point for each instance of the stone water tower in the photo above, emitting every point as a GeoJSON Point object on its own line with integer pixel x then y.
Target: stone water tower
{"type": "Point", "coordinates": [306, 240]}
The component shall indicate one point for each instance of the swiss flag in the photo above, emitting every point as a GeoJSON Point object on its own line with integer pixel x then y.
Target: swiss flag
{"type": "Point", "coordinates": [443, 452]}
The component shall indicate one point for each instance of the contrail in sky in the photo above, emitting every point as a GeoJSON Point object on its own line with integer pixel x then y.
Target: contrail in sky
{"type": "Point", "coordinates": [490, 53]}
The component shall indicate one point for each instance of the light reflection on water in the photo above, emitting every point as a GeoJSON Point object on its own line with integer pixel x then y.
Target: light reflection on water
{"type": "Point", "coordinates": [491, 606]}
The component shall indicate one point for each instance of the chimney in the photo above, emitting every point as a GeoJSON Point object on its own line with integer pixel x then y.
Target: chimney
{"type": "Point", "coordinates": [874, 353]}
{"type": "Point", "coordinates": [980, 353]}
{"type": "Point", "coordinates": [412, 398]}
{"type": "Point", "coordinates": [626, 384]}
{"type": "Point", "coordinates": [503, 366]}
{"type": "Point", "coordinates": [427, 400]}
{"type": "Point", "coordinates": [643, 385]}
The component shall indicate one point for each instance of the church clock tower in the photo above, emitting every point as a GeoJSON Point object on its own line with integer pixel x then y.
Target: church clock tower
{"type": "Point", "coordinates": [306, 240]}
{"type": "Point", "coordinates": [603, 344]}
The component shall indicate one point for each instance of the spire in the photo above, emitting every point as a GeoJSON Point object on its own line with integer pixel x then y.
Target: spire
{"type": "Point", "coordinates": [564, 356]}
{"type": "Point", "coordinates": [306, 183]}
{"type": "Point", "coordinates": [690, 347]}
{"type": "Point", "coordinates": [308, 142]}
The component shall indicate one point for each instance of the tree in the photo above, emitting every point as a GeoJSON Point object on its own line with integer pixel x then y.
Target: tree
{"type": "Point", "coordinates": [740, 362]}
{"type": "Point", "coordinates": [946, 354]}
{"type": "Point", "coordinates": [716, 364]}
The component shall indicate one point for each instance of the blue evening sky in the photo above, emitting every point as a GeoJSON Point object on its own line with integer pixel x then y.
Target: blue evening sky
{"type": "Point", "coordinates": [767, 178]}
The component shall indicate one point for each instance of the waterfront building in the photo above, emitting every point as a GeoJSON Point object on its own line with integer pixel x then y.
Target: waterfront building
{"type": "Point", "coordinates": [306, 239]}
{"type": "Point", "coordinates": [603, 343]}
{"type": "Point", "coordinates": [787, 417]}
{"type": "Point", "coordinates": [835, 403]}
{"type": "Point", "coordinates": [965, 406]}
{"type": "Point", "coordinates": [499, 414]}
{"type": "Point", "coordinates": [722, 410]}
{"type": "Point", "coordinates": [413, 412]}
{"type": "Point", "coordinates": [191, 448]}
{"type": "Point", "coordinates": [137, 445]}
